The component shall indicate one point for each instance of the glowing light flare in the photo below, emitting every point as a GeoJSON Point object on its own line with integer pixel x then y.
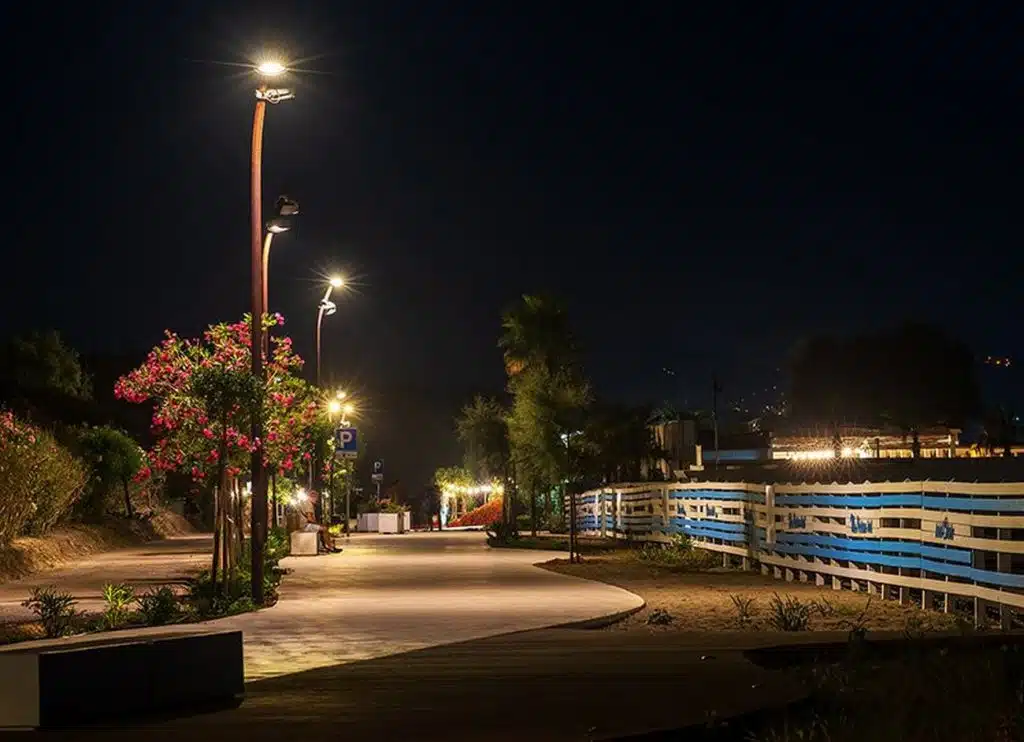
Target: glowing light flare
{"type": "Point", "coordinates": [477, 489]}
{"type": "Point", "coordinates": [271, 68]}
{"type": "Point", "coordinates": [334, 407]}
{"type": "Point", "coordinates": [337, 282]}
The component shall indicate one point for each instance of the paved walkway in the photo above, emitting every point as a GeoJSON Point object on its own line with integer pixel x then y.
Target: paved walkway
{"type": "Point", "coordinates": [390, 594]}
{"type": "Point", "coordinates": [381, 596]}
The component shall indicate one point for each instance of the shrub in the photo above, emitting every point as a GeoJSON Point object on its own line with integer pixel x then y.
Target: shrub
{"type": "Point", "coordinates": [278, 545]}
{"type": "Point", "coordinates": [744, 609]}
{"type": "Point", "coordinates": [500, 533]}
{"type": "Point", "coordinates": [118, 598]}
{"type": "Point", "coordinates": [40, 480]}
{"type": "Point", "coordinates": [823, 607]}
{"type": "Point", "coordinates": [56, 610]}
{"type": "Point", "coordinates": [660, 617]}
{"type": "Point", "coordinates": [678, 554]}
{"type": "Point", "coordinates": [159, 607]}
{"type": "Point", "coordinates": [789, 614]}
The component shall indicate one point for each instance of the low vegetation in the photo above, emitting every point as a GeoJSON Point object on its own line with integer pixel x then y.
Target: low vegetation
{"type": "Point", "coordinates": [949, 694]}
{"type": "Point", "coordinates": [689, 584]}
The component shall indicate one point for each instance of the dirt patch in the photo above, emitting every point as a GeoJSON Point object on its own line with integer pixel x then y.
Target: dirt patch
{"type": "Point", "coordinates": [65, 544]}
{"type": "Point", "coordinates": [701, 601]}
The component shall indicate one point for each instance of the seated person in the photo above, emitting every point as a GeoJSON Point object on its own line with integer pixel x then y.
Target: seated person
{"type": "Point", "coordinates": [309, 524]}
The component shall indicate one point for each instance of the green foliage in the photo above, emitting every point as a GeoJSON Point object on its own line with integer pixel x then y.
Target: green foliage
{"type": "Point", "coordinates": [114, 458]}
{"type": "Point", "coordinates": [680, 554]}
{"type": "Point", "coordinates": [41, 362]}
{"type": "Point", "coordinates": [40, 480]}
{"type": "Point", "coordinates": [483, 430]}
{"type": "Point", "coordinates": [159, 607]}
{"type": "Point", "coordinates": [118, 598]}
{"type": "Point", "coordinates": [55, 610]}
{"type": "Point", "coordinates": [744, 609]}
{"type": "Point", "coordinates": [823, 607]}
{"type": "Point", "coordinates": [278, 546]}
{"type": "Point", "coordinates": [790, 614]}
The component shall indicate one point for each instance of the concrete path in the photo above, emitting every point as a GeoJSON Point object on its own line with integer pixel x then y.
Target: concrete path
{"type": "Point", "coordinates": [390, 594]}
{"type": "Point", "coordinates": [154, 564]}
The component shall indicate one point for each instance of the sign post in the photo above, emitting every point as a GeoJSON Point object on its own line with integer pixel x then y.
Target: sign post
{"type": "Point", "coordinates": [346, 446]}
{"type": "Point", "coordinates": [378, 475]}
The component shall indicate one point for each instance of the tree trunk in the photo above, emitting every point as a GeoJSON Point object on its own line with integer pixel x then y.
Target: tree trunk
{"type": "Point", "coordinates": [533, 512]}
{"type": "Point", "coordinates": [273, 498]}
{"type": "Point", "coordinates": [127, 498]}
{"type": "Point", "coordinates": [215, 566]}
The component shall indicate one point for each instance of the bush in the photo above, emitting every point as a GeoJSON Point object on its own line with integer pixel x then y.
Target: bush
{"type": "Point", "coordinates": [278, 545]}
{"type": "Point", "coordinates": [56, 611]}
{"type": "Point", "coordinates": [789, 614]}
{"type": "Point", "coordinates": [118, 598]}
{"type": "Point", "coordinates": [679, 554]}
{"type": "Point", "coordinates": [500, 533]}
{"type": "Point", "coordinates": [744, 609]}
{"type": "Point", "coordinates": [159, 607]}
{"type": "Point", "coordinates": [39, 479]}
{"type": "Point", "coordinates": [660, 617]}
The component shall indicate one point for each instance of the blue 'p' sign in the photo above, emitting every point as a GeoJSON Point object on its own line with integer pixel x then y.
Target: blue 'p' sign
{"type": "Point", "coordinates": [346, 441]}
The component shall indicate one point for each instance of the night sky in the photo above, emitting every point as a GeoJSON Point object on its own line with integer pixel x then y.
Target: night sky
{"type": "Point", "coordinates": [704, 187]}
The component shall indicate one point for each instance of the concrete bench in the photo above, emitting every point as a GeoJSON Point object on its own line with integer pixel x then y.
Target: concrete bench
{"type": "Point", "coordinates": [303, 543]}
{"type": "Point", "coordinates": [65, 682]}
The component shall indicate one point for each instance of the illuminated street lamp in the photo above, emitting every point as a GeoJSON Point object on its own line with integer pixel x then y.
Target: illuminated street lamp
{"type": "Point", "coordinates": [267, 69]}
{"type": "Point", "coordinates": [326, 307]}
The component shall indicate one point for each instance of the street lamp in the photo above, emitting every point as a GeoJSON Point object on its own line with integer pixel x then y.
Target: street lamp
{"type": "Point", "coordinates": [326, 307]}
{"type": "Point", "coordinates": [281, 222]}
{"type": "Point", "coordinates": [264, 94]}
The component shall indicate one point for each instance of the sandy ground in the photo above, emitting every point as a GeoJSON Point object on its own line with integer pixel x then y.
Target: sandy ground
{"type": "Point", "coordinates": [701, 601]}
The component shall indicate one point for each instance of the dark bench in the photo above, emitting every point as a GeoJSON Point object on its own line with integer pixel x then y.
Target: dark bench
{"type": "Point", "coordinates": [71, 682]}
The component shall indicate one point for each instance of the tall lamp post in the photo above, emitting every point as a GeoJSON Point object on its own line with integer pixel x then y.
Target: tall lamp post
{"type": "Point", "coordinates": [325, 308]}
{"type": "Point", "coordinates": [258, 525]}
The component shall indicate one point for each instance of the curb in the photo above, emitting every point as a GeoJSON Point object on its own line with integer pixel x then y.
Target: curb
{"type": "Point", "coordinates": [589, 624]}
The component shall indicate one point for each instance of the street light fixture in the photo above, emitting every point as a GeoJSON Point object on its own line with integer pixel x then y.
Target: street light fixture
{"type": "Point", "coordinates": [264, 94]}
{"type": "Point", "coordinates": [281, 222]}
{"type": "Point", "coordinates": [326, 307]}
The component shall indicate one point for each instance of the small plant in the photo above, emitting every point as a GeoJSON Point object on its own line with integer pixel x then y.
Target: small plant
{"type": "Point", "coordinates": [913, 628]}
{"type": "Point", "coordinates": [857, 627]}
{"type": "Point", "coordinates": [823, 607]}
{"type": "Point", "coordinates": [744, 609]}
{"type": "Point", "coordinates": [56, 610]}
{"type": "Point", "coordinates": [117, 597]}
{"type": "Point", "coordinates": [159, 607]}
{"type": "Point", "coordinates": [660, 617]}
{"type": "Point", "coordinates": [242, 605]}
{"type": "Point", "coordinates": [790, 614]}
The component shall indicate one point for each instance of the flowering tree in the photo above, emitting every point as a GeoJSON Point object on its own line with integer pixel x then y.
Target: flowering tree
{"type": "Point", "coordinates": [205, 396]}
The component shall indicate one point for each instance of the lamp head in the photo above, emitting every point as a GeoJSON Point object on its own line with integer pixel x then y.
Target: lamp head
{"type": "Point", "coordinates": [271, 68]}
{"type": "Point", "coordinates": [337, 282]}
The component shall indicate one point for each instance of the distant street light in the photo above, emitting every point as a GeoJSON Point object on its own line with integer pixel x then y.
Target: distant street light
{"type": "Point", "coordinates": [326, 307]}
{"type": "Point", "coordinates": [258, 524]}
{"type": "Point", "coordinates": [281, 222]}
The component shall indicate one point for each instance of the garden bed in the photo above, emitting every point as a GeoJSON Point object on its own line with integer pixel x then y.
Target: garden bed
{"type": "Point", "coordinates": [691, 596]}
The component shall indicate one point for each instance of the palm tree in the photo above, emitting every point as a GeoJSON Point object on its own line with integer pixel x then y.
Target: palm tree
{"type": "Point", "coordinates": [536, 333]}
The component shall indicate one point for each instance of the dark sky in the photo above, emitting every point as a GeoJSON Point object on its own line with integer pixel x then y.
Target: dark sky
{"type": "Point", "coordinates": [703, 186]}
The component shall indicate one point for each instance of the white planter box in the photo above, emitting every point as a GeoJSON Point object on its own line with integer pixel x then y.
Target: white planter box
{"type": "Point", "coordinates": [367, 523]}
{"type": "Point", "coordinates": [389, 523]}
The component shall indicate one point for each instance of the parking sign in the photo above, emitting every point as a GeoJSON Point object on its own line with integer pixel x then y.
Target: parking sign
{"type": "Point", "coordinates": [346, 442]}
